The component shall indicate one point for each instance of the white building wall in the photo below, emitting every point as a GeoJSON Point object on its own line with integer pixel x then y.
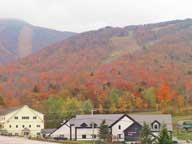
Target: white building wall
{"type": "Point", "coordinates": [15, 126]}
{"type": "Point", "coordinates": [88, 132]}
{"type": "Point", "coordinates": [125, 122]}
{"type": "Point", "coordinates": [62, 131]}
{"type": "Point", "coordinates": [73, 132]}
{"type": "Point", "coordinates": [34, 130]}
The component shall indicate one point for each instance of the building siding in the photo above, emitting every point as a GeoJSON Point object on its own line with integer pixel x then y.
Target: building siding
{"type": "Point", "coordinates": [125, 122]}
{"type": "Point", "coordinates": [16, 126]}
{"type": "Point", "coordinates": [64, 131]}
{"type": "Point", "coordinates": [119, 125]}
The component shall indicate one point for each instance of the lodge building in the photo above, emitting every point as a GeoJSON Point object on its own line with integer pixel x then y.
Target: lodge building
{"type": "Point", "coordinates": [122, 127]}
{"type": "Point", "coordinates": [21, 121]}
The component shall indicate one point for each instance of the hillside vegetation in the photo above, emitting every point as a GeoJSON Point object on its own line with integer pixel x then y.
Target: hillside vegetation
{"type": "Point", "coordinates": [135, 68]}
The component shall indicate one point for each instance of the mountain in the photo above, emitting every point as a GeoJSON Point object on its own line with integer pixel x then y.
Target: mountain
{"type": "Point", "coordinates": [130, 57]}
{"type": "Point", "coordinates": [19, 39]}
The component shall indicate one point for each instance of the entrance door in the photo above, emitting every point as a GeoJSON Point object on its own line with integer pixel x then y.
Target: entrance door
{"type": "Point", "coordinates": [26, 133]}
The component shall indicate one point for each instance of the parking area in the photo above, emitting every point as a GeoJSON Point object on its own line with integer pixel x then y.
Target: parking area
{"type": "Point", "coordinates": [18, 140]}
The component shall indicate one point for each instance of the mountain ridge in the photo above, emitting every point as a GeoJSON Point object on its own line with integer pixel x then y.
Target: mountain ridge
{"type": "Point", "coordinates": [21, 39]}
{"type": "Point", "coordinates": [133, 57]}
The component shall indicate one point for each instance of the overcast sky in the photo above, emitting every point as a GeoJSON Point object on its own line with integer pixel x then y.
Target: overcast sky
{"type": "Point", "coordinates": [83, 15]}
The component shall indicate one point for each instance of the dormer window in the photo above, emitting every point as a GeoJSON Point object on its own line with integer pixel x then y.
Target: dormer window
{"type": "Point", "coordinates": [155, 125]}
{"type": "Point", "coordinates": [95, 125]}
{"type": "Point", "coordinates": [119, 127]}
{"type": "Point", "coordinates": [84, 125]}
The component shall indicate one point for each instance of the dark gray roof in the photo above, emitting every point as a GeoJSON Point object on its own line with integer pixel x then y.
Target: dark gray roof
{"type": "Point", "coordinates": [8, 110]}
{"type": "Point", "coordinates": [111, 118]}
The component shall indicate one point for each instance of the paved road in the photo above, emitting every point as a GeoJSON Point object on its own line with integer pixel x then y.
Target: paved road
{"type": "Point", "coordinates": [18, 140]}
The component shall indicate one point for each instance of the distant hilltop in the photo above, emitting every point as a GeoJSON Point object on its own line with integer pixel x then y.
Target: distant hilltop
{"type": "Point", "coordinates": [19, 39]}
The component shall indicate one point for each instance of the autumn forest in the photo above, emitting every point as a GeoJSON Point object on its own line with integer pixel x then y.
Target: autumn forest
{"type": "Point", "coordinates": [132, 69]}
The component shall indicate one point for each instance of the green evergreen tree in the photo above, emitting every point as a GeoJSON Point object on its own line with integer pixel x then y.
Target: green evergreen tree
{"type": "Point", "coordinates": [164, 136]}
{"type": "Point", "coordinates": [103, 131]}
{"type": "Point", "coordinates": [145, 136]}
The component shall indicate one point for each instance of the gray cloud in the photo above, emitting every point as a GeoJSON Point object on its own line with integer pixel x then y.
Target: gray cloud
{"type": "Point", "coordinates": [83, 15]}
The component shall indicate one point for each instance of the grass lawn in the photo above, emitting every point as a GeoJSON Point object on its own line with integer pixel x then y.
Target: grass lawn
{"type": "Point", "coordinates": [181, 134]}
{"type": "Point", "coordinates": [184, 136]}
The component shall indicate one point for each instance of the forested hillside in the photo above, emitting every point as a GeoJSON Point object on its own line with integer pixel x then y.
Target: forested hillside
{"type": "Point", "coordinates": [135, 68]}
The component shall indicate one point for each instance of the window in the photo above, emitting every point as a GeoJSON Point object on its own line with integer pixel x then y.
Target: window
{"type": "Point", "coordinates": [94, 136]}
{"type": "Point", "coordinates": [83, 125]}
{"type": "Point", "coordinates": [155, 125]}
{"type": "Point", "coordinates": [9, 126]}
{"type": "Point", "coordinates": [119, 127]}
{"type": "Point", "coordinates": [16, 126]}
{"type": "Point", "coordinates": [34, 117]}
{"type": "Point", "coordinates": [38, 126]}
{"type": "Point", "coordinates": [119, 136]}
{"type": "Point", "coordinates": [83, 136]}
{"type": "Point", "coordinates": [61, 136]}
{"type": "Point", "coordinates": [16, 117]}
{"type": "Point", "coordinates": [38, 134]}
{"type": "Point", "coordinates": [25, 117]}
{"type": "Point", "coordinates": [23, 126]}
{"type": "Point", "coordinates": [29, 126]}
{"type": "Point", "coordinates": [95, 125]}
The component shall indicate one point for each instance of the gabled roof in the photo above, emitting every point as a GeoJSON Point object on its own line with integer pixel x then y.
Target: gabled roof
{"type": "Point", "coordinates": [14, 110]}
{"type": "Point", "coordinates": [125, 115]}
{"type": "Point", "coordinates": [65, 123]}
{"type": "Point", "coordinates": [150, 118]}
{"type": "Point", "coordinates": [113, 118]}
{"type": "Point", "coordinates": [8, 110]}
{"type": "Point", "coordinates": [96, 118]}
